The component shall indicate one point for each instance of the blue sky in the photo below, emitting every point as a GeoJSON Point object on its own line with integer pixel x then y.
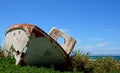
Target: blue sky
{"type": "Point", "coordinates": [95, 24]}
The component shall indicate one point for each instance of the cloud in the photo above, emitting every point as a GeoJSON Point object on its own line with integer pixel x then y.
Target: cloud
{"type": "Point", "coordinates": [95, 39]}
{"type": "Point", "coordinates": [89, 47]}
{"type": "Point", "coordinates": [109, 30]}
{"type": "Point", "coordinates": [113, 48]}
{"type": "Point", "coordinates": [95, 46]}
{"type": "Point", "coordinates": [109, 51]}
{"type": "Point", "coordinates": [64, 30]}
{"type": "Point", "coordinates": [101, 44]}
{"type": "Point", "coordinates": [102, 48]}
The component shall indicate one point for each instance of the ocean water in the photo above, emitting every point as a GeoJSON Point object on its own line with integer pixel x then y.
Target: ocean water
{"type": "Point", "coordinates": [114, 57]}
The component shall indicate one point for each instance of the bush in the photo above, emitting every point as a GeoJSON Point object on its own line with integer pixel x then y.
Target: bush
{"type": "Point", "coordinates": [107, 64]}
{"type": "Point", "coordinates": [81, 62]}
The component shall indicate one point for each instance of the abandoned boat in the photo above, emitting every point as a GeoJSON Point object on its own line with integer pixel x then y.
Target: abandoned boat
{"type": "Point", "coordinates": [30, 45]}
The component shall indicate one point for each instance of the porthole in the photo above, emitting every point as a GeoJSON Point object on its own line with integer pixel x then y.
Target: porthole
{"type": "Point", "coordinates": [61, 40]}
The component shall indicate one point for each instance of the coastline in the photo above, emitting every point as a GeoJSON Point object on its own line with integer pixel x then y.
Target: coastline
{"type": "Point", "coordinates": [104, 56]}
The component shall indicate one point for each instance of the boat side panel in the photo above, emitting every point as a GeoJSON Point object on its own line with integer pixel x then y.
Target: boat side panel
{"type": "Point", "coordinates": [16, 38]}
{"type": "Point", "coordinates": [41, 51]}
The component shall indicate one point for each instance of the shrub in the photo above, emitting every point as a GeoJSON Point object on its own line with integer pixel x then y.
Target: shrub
{"type": "Point", "coordinates": [107, 64]}
{"type": "Point", "coordinates": [81, 62]}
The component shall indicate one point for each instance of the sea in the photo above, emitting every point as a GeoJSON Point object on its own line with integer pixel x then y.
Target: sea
{"type": "Point", "coordinates": [114, 57]}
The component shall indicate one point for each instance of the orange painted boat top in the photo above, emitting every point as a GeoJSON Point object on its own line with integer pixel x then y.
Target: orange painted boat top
{"type": "Point", "coordinates": [26, 27]}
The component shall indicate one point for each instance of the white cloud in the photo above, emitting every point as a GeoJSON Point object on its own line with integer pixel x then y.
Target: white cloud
{"type": "Point", "coordinates": [95, 39]}
{"type": "Point", "coordinates": [64, 30]}
{"type": "Point", "coordinates": [109, 30]}
{"type": "Point", "coordinates": [113, 48]}
{"type": "Point", "coordinates": [103, 48]}
{"type": "Point", "coordinates": [88, 47]}
{"type": "Point", "coordinates": [100, 47]}
{"type": "Point", "coordinates": [101, 44]}
{"type": "Point", "coordinates": [95, 46]}
{"type": "Point", "coordinates": [109, 51]}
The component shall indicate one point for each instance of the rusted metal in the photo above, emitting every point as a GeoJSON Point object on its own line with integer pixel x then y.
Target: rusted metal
{"type": "Point", "coordinates": [29, 44]}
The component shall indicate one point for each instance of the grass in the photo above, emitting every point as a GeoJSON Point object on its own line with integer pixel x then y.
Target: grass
{"type": "Point", "coordinates": [7, 66]}
{"type": "Point", "coordinates": [80, 64]}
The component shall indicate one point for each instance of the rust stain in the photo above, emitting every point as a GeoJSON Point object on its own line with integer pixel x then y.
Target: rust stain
{"type": "Point", "coordinates": [38, 33]}
{"type": "Point", "coordinates": [27, 27]}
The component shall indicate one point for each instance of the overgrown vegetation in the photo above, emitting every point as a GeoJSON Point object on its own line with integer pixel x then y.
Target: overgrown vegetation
{"type": "Point", "coordinates": [80, 64]}
{"type": "Point", "coordinates": [7, 66]}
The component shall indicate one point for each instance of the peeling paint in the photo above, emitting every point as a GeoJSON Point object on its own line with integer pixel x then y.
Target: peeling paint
{"type": "Point", "coordinates": [27, 27]}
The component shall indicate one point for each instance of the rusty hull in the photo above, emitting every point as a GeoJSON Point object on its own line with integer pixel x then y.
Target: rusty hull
{"type": "Point", "coordinates": [30, 45]}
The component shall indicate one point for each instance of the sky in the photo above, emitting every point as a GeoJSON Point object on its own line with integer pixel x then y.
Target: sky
{"type": "Point", "coordinates": [95, 24]}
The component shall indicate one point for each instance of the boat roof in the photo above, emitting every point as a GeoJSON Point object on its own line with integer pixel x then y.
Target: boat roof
{"type": "Point", "coordinates": [26, 27]}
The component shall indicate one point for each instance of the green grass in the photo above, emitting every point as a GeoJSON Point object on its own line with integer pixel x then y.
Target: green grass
{"type": "Point", "coordinates": [80, 64]}
{"type": "Point", "coordinates": [7, 66]}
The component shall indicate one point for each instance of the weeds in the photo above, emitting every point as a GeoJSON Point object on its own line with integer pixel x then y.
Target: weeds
{"type": "Point", "coordinates": [7, 66]}
{"type": "Point", "coordinates": [80, 64]}
{"type": "Point", "coordinates": [107, 64]}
